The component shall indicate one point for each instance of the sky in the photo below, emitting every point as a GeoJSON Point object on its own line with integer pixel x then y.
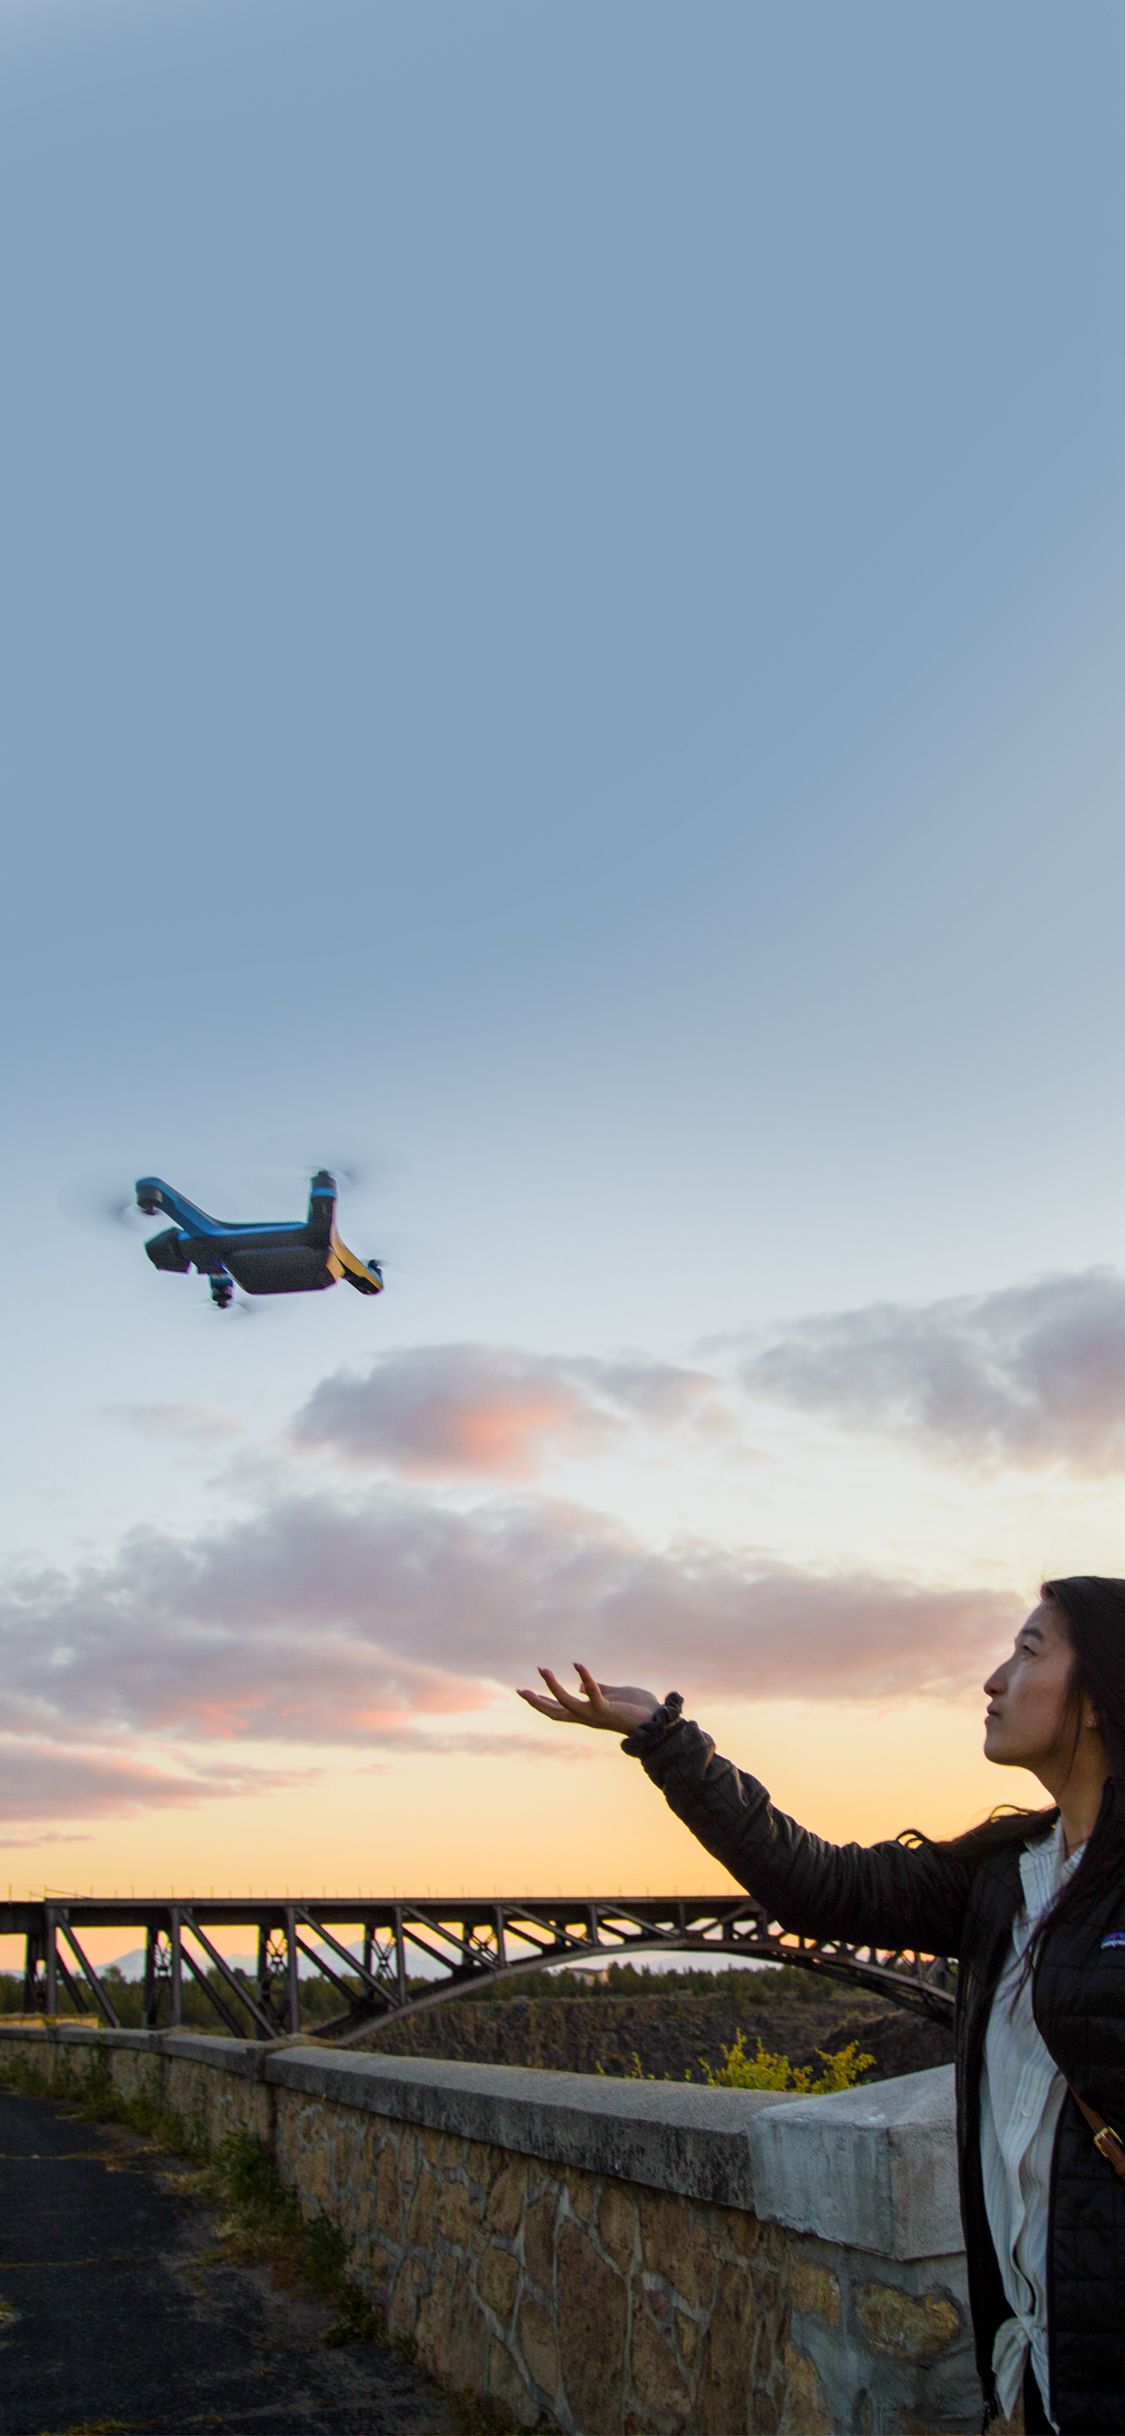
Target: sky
{"type": "Point", "coordinates": [561, 611]}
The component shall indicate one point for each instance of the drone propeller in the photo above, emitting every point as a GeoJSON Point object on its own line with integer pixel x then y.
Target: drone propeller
{"type": "Point", "coordinates": [350, 1174]}
{"type": "Point", "coordinates": [192, 1306]}
{"type": "Point", "coordinates": [102, 1202]}
{"type": "Point", "coordinates": [278, 1168]}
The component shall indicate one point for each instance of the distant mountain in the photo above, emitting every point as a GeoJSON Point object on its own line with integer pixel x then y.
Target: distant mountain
{"type": "Point", "coordinates": [132, 1964]}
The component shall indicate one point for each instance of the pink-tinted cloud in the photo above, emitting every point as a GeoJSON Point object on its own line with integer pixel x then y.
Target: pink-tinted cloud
{"type": "Point", "coordinates": [449, 1411]}
{"type": "Point", "coordinates": [1031, 1376]}
{"type": "Point", "coordinates": [16, 1840]}
{"type": "Point", "coordinates": [321, 1623]}
{"type": "Point", "coordinates": [472, 1743]}
{"type": "Point", "coordinates": [52, 1781]}
{"type": "Point", "coordinates": [261, 1630]}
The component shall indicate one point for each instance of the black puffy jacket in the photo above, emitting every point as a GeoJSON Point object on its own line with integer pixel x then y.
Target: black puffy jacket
{"type": "Point", "coordinates": [922, 1899]}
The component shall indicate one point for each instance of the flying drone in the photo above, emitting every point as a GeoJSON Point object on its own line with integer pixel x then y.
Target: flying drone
{"type": "Point", "coordinates": [301, 1258]}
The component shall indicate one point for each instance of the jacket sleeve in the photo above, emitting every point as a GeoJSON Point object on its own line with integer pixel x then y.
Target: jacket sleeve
{"type": "Point", "coordinates": [895, 1895]}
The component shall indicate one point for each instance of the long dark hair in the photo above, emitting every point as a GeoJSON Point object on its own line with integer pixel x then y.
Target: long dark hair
{"type": "Point", "coordinates": [1092, 1610]}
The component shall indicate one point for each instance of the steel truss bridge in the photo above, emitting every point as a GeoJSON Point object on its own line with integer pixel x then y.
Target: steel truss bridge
{"type": "Point", "coordinates": [468, 1940]}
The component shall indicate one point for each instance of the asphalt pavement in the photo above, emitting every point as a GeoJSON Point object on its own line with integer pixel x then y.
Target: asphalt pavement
{"type": "Point", "coordinates": [118, 2313]}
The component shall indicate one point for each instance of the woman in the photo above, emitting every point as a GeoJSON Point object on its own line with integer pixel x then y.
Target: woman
{"type": "Point", "coordinates": [1032, 1903]}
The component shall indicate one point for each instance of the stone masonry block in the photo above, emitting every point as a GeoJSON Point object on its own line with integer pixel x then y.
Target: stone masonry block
{"type": "Point", "coordinates": [584, 2192]}
{"type": "Point", "coordinates": [456, 2216]}
{"type": "Point", "coordinates": [304, 2156]}
{"type": "Point", "coordinates": [382, 2268]}
{"type": "Point", "coordinates": [538, 2346]}
{"type": "Point", "coordinates": [422, 2219]}
{"type": "Point", "coordinates": [898, 2322]}
{"type": "Point", "coordinates": [506, 2199]}
{"type": "Point", "coordinates": [668, 2244]}
{"type": "Point", "coordinates": [593, 2309]}
{"type": "Point", "coordinates": [805, 2412]}
{"type": "Point", "coordinates": [657, 2382]}
{"type": "Point", "coordinates": [617, 2224]}
{"type": "Point", "coordinates": [411, 2287]}
{"type": "Point", "coordinates": [389, 2210]}
{"type": "Point", "coordinates": [815, 2288]}
{"type": "Point", "coordinates": [498, 2276]}
{"type": "Point", "coordinates": [539, 2241]}
{"type": "Point", "coordinates": [723, 2405]}
{"type": "Point", "coordinates": [687, 2337]}
{"type": "Point", "coordinates": [452, 2334]}
{"type": "Point", "coordinates": [506, 2385]}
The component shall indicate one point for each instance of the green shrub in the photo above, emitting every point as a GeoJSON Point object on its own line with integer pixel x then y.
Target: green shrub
{"type": "Point", "coordinates": [738, 2070]}
{"type": "Point", "coordinates": [265, 2220]}
{"type": "Point", "coordinates": [843, 2067]}
{"type": "Point", "coordinates": [29, 2079]}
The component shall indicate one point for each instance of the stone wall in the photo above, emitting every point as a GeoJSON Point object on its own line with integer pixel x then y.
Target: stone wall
{"type": "Point", "coordinates": [610, 2258]}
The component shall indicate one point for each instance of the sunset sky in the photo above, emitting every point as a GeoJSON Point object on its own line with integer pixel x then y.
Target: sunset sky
{"type": "Point", "coordinates": [562, 625]}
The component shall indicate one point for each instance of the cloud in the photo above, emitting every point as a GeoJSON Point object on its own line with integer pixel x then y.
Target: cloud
{"type": "Point", "coordinates": [663, 1394]}
{"type": "Point", "coordinates": [262, 1629]}
{"type": "Point", "coordinates": [471, 1745]}
{"type": "Point", "coordinates": [322, 1623]}
{"type": "Point", "coordinates": [448, 1411]}
{"type": "Point", "coordinates": [1031, 1376]}
{"type": "Point", "coordinates": [51, 1780]}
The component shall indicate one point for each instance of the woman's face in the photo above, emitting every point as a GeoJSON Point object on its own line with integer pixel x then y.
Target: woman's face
{"type": "Point", "coordinates": [1026, 1725]}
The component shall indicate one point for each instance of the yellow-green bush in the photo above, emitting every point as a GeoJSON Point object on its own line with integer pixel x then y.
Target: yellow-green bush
{"type": "Point", "coordinates": [764, 2070]}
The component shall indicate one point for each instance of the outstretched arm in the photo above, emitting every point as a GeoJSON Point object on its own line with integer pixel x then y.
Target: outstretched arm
{"type": "Point", "coordinates": [887, 1894]}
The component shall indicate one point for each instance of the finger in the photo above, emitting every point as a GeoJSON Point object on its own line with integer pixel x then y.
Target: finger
{"type": "Point", "coordinates": [594, 1689]}
{"type": "Point", "coordinates": [570, 1700]}
{"type": "Point", "coordinates": [546, 1708]}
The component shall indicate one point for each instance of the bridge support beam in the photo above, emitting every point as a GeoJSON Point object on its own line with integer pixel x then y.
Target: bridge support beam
{"type": "Point", "coordinates": [362, 1947]}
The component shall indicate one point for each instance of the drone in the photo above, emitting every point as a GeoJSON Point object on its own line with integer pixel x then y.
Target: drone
{"type": "Point", "coordinates": [301, 1258]}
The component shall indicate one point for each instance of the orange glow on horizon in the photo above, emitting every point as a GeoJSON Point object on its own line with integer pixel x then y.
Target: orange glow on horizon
{"type": "Point", "coordinates": [579, 1819]}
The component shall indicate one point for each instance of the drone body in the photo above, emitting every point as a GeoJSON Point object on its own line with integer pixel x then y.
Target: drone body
{"type": "Point", "coordinates": [301, 1258]}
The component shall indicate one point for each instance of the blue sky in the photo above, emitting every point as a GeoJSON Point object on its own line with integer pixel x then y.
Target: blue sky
{"type": "Point", "coordinates": [562, 617]}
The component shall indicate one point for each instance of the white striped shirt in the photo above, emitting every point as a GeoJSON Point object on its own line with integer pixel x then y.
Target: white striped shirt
{"type": "Point", "coordinates": [1022, 2092]}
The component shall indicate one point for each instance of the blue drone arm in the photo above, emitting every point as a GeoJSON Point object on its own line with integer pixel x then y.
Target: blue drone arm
{"type": "Point", "coordinates": [153, 1194]}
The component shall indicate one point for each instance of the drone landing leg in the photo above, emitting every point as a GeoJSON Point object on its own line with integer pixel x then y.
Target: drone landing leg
{"type": "Point", "coordinates": [222, 1287]}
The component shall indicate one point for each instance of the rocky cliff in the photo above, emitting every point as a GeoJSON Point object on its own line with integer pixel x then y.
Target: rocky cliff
{"type": "Point", "coordinates": [669, 2035]}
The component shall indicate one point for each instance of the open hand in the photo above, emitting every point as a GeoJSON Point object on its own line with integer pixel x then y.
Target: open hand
{"type": "Point", "coordinates": [614, 1708]}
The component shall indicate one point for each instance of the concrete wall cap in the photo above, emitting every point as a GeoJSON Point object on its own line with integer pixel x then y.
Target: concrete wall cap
{"type": "Point", "coordinates": [78, 2034]}
{"type": "Point", "coordinates": [878, 2160]}
{"type": "Point", "coordinates": [668, 2135]}
{"type": "Point", "coordinates": [244, 2056]}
